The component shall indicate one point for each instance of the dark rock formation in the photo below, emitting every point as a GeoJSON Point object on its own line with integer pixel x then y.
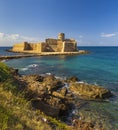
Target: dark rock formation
{"type": "Point", "coordinates": [72, 79]}
{"type": "Point", "coordinates": [34, 77]}
{"type": "Point", "coordinates": [90, 91]}
{"type": "Point", "coordinates": [46, 108]}
{"type": "Point", "coordinates": [51, 83]}
{"type": "Point", "coordinates": [48, 92]}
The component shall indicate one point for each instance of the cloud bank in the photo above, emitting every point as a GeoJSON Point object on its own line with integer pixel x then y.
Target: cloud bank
{"type": "Point", "coordinates": [108, 35]}
{"type": "Point", "coordinates": [10, 39]}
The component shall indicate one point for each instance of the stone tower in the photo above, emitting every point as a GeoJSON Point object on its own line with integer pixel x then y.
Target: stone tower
{"type": "Point", "coordinates": [61, 36]}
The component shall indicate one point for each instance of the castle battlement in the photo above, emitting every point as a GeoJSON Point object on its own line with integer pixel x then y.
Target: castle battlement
{"type": "Point", "coordinates": [50, 45]}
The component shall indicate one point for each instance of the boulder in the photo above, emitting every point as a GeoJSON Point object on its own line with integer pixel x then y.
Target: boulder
{"type": "Point", "coordinates": [51, 83]}
{"type": "Point", "coordinates": [48, 94]}
{"type": "Point", "coordinates": [63, 91]}
{"type": "Point", "coordinates": [52, 100]}
{"type": "Point", "coordinates": [52, 106]}
{"type": "Point", "coordinates": [47, 109]}
{"type": "Point", "coordinates": [72, 79]}
{"type": "Point", "coordinates": [33, 77]}
{"type": "Point", "coordinates": [37, 88]}
{"type": "Point", "coordinates": [49, 78]}
{"type": "Point", "coordinates": [89, 91]}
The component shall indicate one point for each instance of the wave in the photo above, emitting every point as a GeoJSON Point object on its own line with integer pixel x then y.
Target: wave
{"type": "Point", "coordinates": [23, 69]}
{"type": "Point", "coordinates": [32, 65]}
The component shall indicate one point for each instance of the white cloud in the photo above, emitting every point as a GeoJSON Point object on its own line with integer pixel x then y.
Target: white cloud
{"type": "Point", "coordinates": [1, 35]}
{"type": "Point", "coordinates": [80, 36]}
{"type": "Point", "coordinates": [14, 36]}
{"type": "Point", "coordinates": [108, 35]}
{"type": "Point", "coordinates": [10, 39]}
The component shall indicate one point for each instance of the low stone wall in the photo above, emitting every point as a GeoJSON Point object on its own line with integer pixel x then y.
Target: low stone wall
{"type": "Point", "coordinates": [32, 54]}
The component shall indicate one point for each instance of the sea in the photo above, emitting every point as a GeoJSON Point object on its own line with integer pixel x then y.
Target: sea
{"type": "Point", "coordinates": [99, 67]}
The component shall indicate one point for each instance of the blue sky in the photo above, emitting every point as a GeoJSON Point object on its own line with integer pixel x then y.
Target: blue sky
{"type": "Point", "coordinates": [90, 22]}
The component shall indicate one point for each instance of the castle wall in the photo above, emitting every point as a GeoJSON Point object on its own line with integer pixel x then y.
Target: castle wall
{"type": "Point", "coordinates": [50, 45]}
{"type": "Point", "coordinates": [33, 46]}
{"type": "Point", "coordinates": [37, 47]}
{"type": "Point", "coordinates": [20, 46]}
{"type": "Point", "coordinates": [69, 46]}
{"type": "Point", "coordinates": [43, 47]}
{"type": "Point", "coordinates": [59, 46]}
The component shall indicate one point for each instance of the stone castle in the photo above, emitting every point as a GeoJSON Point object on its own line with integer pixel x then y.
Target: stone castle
{"type": "Point", "coordinates": [50, 45]}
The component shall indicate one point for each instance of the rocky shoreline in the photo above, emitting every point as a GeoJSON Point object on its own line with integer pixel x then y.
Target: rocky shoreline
{"type": "Point", "coordinates": [57, 97]}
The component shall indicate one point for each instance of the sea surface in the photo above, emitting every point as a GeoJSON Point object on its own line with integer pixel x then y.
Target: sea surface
{"type": "Point", "coordinates": [99, 67]}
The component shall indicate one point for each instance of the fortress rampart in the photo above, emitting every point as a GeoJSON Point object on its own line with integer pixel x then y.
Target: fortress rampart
{"type": "Point", "coordinates": [50, 45]}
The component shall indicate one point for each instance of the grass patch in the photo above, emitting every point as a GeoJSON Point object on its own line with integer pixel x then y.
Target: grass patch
{"type": "Point", "coordinates": [4, 72]}
{"type": "Point", "coordinates": [4, 116]}
{"type": "Point", "coordinates": [16, 112]}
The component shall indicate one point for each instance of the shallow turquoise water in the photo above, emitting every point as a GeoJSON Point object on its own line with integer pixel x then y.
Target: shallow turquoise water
{"type": "Point", "coordinates": [99, 67]}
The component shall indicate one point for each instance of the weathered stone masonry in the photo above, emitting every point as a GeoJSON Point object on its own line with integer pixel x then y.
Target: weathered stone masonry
{"type": "Point", "coordinates": [50, 45]}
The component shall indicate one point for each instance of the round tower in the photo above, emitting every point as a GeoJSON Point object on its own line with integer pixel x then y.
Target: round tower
{"type": "Point", "coordinates": [61, 36]}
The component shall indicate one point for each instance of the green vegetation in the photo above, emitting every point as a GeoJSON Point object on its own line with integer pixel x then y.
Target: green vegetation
{"type": "Point", "coordinates": [16, 112]}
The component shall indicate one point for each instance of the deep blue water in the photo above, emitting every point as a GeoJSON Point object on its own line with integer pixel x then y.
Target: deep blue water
{"type": "Point", "coordinates": [99, 67]}
{"type": "Point", "coordinates": [4, 52]}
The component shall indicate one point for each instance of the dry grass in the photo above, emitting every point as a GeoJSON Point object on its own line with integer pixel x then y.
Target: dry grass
{"type": "Point", "coordinates": [16, 112]}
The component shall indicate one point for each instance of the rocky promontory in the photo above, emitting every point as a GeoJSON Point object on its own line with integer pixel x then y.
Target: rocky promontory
{"type": "Point", "coordinates": [47, 93]}
{"type": "Point", "coordinates": [53, 97]}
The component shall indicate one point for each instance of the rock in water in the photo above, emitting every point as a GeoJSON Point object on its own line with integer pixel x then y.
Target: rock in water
{"type": "Point", "coordinates": [90, 91]}
{"type": "Point", "coordinates": [72, 79]}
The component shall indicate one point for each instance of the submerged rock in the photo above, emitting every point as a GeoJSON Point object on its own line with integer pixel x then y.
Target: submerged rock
{"type": "Point", "coordinates": [89, 91]}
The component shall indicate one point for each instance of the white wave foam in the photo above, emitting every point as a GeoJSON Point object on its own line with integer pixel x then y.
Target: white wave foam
{"type": "Point", "coordinates": [24, 69]}
{"type": "Point", "coordinates": [32, 65]}
{"type": "Point", "coordinates": [81, 82]}
{"type": "Point", "coordinates": [48, 74]}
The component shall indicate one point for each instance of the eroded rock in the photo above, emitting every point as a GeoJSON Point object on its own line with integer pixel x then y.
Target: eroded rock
{"type": "Point", "coordinates": [49, 94]}
{"type": "Point", "coordinates": [90, 91]}
{"type": "Point", "coordinates": [51, 83]}
{"type": "Point", "coordinates": [47, 109]}
{"type": "Point", "coordinates": [72, 79]}
{"type": "Point", "coordinates": [33, 77]}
